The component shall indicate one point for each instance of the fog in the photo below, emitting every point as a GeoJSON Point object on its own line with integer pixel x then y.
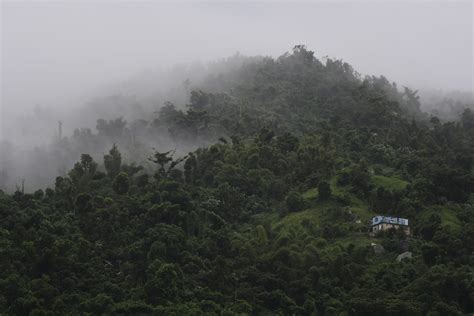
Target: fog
{"type": "Point", "coordinates": [60, 60]}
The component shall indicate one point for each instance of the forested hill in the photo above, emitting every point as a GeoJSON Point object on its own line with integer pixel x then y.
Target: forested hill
{"type": "Point", "coordinates": [295, 93]}
{"type": "Point", "coordinates": [270, 217]}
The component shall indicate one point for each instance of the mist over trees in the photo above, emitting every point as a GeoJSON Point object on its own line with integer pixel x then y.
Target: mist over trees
{"type": "Point", "coordinates": [121, 111]}
{"type": "Point", "coordinates": [447, 106]}
{"type": "Point", "coordinates": [248, 194]}
{"type": "Point", "coordinates": [176, 109]}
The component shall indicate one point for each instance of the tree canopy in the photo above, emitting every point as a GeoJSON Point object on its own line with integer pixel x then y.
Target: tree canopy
{"type": "Point", "coordinates": [270, 216]}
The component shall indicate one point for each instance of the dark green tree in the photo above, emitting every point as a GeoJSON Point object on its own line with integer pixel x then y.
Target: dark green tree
{"type": "Point", "coordinates": [121, 183]}
{"type": "Point", "coordinates": [324, 190]}
{"type": "Point", "coordinates": [294, 201]}
{"type": "Point", "coordinates": [113, 161]}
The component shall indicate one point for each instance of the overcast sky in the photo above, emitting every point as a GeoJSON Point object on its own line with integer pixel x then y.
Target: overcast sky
{"type": "Point", "coordinates": [51, 52]}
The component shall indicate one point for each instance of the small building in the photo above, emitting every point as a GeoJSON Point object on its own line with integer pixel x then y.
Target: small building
{"type": "Point", "coordinates": [383, 223]}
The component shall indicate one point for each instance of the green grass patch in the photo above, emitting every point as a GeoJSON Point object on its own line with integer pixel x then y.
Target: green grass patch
{"type": "Point", "coordinates": [389, 183]}
{"type": "Point", "coordinates": [356, 204]}
{"type": "Point", "coordinates": [294, 219]}
{"type": "Point", "coordinates": [358, 239]}
{"type": "Point", "coordinates": [336, 190]}
{"type": "Point", "coordinates": [316, 215]}
{"type": "Point", "coordinates": [267, 217]}
{"type": "Point", "coordinates": [311, 194]}
{"type": "Point", "coordinates": [450, 219]}
{"type": "Point", "coordinates": [383, 170]}
{"type": "Point", "coordinates": [448, 216]}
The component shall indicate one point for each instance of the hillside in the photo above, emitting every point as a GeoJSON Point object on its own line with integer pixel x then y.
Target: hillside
{"type": "Point", "coordinates": [264, 207]}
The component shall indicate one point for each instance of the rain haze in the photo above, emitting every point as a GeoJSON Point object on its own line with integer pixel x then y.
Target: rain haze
{"type": "Point", "coordinates": [58, 56]}
{"type": "Point", "coordinates": [236, 157]}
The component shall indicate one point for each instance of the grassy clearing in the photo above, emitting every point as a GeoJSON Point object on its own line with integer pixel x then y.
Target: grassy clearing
{"type": "Point", "coordinates": [448, 216]}
{"type": "Point", "coordinates": [314, 216]}
{"type": "Point", "coordinates": [360, 239]}
{"type": "Point", "coordinates": [389, 183]}
{"type": "Point", "coordinates": [357, 205]}
{"type": "Point", "coordinates": [311, 194]}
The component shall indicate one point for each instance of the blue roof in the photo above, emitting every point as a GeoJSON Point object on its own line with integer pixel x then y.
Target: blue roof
{"type": "Point", "coordinates": [389, 220]}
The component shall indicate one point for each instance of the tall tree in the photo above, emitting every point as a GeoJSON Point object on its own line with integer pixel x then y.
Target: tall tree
{"type": "Point", "coordinates": [113, 161]}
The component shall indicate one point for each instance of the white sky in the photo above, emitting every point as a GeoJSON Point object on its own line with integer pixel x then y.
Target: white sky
{"type": "Point", "coordinates": [52, 52]}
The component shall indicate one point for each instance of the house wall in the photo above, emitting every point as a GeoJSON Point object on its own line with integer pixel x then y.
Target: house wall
{"type": "Point", "coordinates": [387, 226]}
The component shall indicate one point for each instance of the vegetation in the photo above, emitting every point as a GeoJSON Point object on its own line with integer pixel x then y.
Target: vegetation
{"type": "Point", "coordinates": [272, 218]}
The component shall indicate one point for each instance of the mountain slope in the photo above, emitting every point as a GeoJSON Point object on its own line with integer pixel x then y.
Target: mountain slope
{"type": "Point", "coordinates": [270, 217]}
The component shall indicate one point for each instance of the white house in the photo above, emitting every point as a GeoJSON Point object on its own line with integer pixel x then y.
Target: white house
{"type": "Point", "coordinates": [382, 223]}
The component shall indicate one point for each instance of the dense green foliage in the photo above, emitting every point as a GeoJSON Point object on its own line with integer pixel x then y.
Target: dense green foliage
{"type": "Point", "coordinates": [270, 219]}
